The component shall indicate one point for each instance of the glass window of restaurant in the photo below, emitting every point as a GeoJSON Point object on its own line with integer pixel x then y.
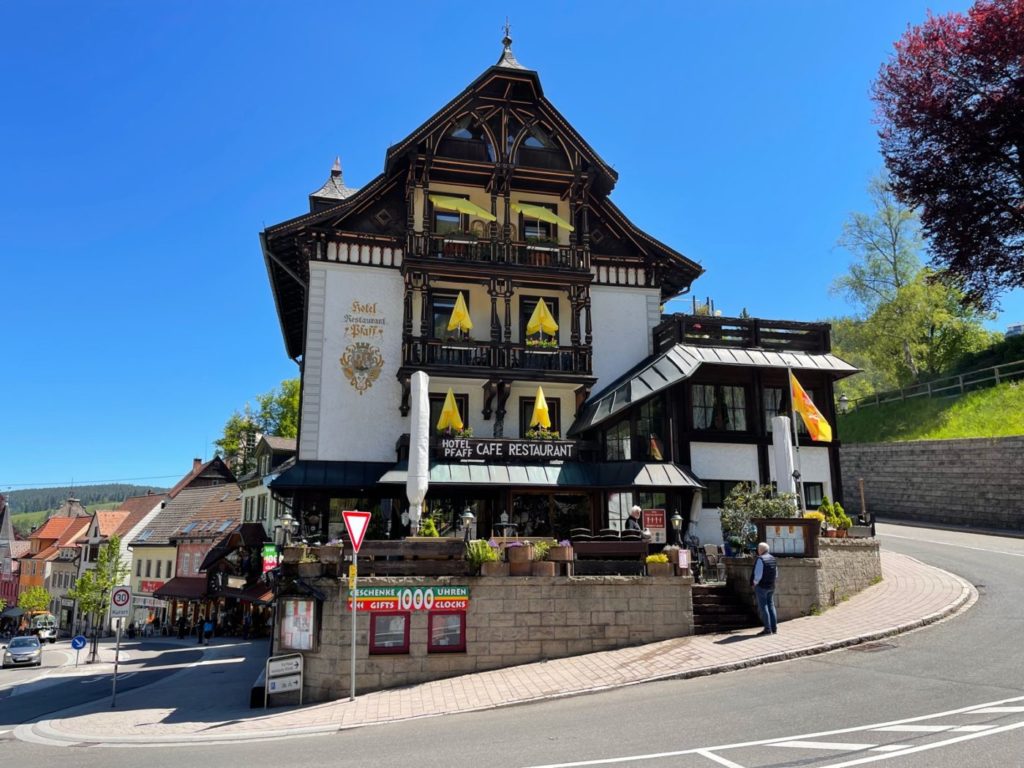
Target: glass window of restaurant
{"type": "Point", "coordinates": [545, 514]}
{"type": "Point", "coordinates": [526, 405]}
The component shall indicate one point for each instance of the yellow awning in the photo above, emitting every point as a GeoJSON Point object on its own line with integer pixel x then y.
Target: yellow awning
{"type": "Point", "coordinates": [541, 321]}
{"type": "Point", "coordinates": [540, 411]}
{"type": "Point", "coordinates": [450, 418]}
{"type": "Point", "coordinates": [538, 212]}
{"type": "Point", "coordinates": [460, 205]}
{"type": "Point", "coordinates": [460, 316]}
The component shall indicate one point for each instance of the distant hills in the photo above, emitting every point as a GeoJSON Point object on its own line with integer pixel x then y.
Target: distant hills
{"type": "Point", "coordinates": [50, 499]}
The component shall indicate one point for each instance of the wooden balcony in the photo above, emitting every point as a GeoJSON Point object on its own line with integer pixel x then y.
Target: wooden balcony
{"type": "Point", "coordinates": [468, 248]}
{"type": "Point", "coordinates": [473, 354]}
{"type": "Point", "coordinates": [776, 335]}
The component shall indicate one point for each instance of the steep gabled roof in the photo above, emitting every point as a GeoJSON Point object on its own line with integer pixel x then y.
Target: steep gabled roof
{"type": "Point", "coordinates": [178, 511]}
{"type": "Point", "coordinates": [54, 528]}
{"type": "Point", "coordinates": [218, 515]}
{"type": "Point", "coordinates": [77, 528]}
{"type": "Point", "coordinates": [213, 470]}
{"type": "Point", "coordinates": [108, 521]}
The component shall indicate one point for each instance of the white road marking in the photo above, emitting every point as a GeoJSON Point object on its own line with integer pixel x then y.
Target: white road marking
{"type": "Point", "coordinates": [926, 747]}
{"type": "Point", "coordinates": [708, 752]}
{"type": "Point", "coordinates": [915, 728]}
{"type": "Point", "coordinates": [891, 748]}
{"type": "Point", "coordinates": [998, 710]}
{"type": "Point", "coordinates": [839, 746]}
{"type": "Point", "coordinates": [718, 759]}
{"type": "Point", "coordinates": [950, 544]}
{"type": "Point", "coordinates": [970, 728]}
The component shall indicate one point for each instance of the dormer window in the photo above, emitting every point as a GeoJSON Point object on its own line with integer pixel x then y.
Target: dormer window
{"type": "Point", "coordinates": [538, 139]}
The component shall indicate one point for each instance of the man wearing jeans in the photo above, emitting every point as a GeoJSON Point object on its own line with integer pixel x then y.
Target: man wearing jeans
{"type": "Point", "coordinates": [763, 580]}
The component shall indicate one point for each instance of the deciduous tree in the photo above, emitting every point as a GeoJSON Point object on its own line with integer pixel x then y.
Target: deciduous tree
{"type": "Point", "coordinates": [34, 599]}
{"type": "Point", "coordinates": [951, 112]}
{"type": "Point", "coordinates": [276, 413]}
{"type": "Point", "coordinates": [92, 589]}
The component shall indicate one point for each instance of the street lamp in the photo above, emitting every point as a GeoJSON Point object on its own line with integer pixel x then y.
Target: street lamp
{"type": "Point", "coordinates": [468, 518]}
{"type": "Point", "coordinates": [677, 524]}
{"type": "Point", "coordinates": [844, 404]}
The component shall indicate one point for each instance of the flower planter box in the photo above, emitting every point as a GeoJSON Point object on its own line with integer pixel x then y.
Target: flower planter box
{"type": "Point", "coordinates": [523, 568]}
{"type": "Point", "coordinates": [522, 554]}
{"type": "Point", "coordinates": [560, 554]}
{"type": "Point", "coordinates": [860, 532]}
{"type": "Point", "coordinates": [543, 568]}
{"type": "Point", "coordinates": [310, 570]}
{"type": "Point", "coordinates": [494, 568]}
{"type": "Point", "coordinates": [660, 569]}
{"type": "Point", "coordinates": [292, 554]}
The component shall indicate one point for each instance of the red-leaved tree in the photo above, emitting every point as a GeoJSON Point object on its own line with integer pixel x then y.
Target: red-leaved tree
{"type": "Point", "coordinates": [951, 112]}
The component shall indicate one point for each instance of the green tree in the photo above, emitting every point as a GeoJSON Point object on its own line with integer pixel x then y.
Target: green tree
{"type": "Point", "coordinates": [3, 604]}
{"type": "Point", "coordinates": [911, 325]}
{"type": "Point", "coordinates": [92, 589]}
{"type": "Point", "coordinates": [747, 501]}
{"type": "Point", "coordinates": [276, 413]}
{"type": "Point", "coordinates": [34, 599]}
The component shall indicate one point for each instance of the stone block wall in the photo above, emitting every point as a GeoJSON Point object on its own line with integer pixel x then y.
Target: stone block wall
{"type": "Point", "coordinates": [510, 620]}
{"type": "Point", "coordinates": [975, 482]}
{"type": "Point", "coordinates": [843, 568]}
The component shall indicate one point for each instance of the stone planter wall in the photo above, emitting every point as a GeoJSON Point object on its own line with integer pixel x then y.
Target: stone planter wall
{"type": "Point", "coordinates": [509, 621]}
{"type": "Point", "coordinates": [843, 568]}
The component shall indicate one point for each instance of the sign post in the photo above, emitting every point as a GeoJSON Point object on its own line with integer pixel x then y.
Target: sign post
{"type": "Point", "coordinates": [78, 643]}
{"type": "Point", "coordinates": [356, 524]}
{"type": "Point", "coordinates": [120, 608]}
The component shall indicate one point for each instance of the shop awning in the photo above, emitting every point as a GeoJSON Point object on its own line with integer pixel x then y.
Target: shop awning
{"type": "Point", "coordinates": [257, 594]}
{"type": "Point", "coordinates": [182, 588]}
{"type": "Point", "coordinates": [331, 474]}
{"type": "Point", "coordinates": [461, 205]}
{"type": "Point", "coordinates": [611, 474]}
{"type": "Point", "coordinates": [542, 213]}
{"type": "Point", "coordinates": [662, 371]}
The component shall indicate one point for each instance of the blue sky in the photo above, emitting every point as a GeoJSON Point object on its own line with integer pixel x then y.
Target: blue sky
{"type": "Point", "coordinates": [147, 144]}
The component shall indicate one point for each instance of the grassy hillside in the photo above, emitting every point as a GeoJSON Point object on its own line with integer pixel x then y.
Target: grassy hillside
{"type": "Point", "coordinates": [995, 412]}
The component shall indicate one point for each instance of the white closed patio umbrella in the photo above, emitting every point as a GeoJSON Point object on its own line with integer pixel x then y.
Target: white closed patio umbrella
{"type": "Point", "coordinates": [418, 475]}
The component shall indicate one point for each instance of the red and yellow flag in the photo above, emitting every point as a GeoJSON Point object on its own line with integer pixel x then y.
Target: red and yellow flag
{"type": "Point", "coordinates": [813, 420]}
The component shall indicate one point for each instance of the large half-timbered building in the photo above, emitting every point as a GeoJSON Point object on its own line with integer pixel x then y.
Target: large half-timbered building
{"type": "Point", "coordinates": [489, 254]}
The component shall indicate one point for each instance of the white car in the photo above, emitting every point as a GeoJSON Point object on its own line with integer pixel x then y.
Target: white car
{"type": "Point", "coordinates": [23, 652]}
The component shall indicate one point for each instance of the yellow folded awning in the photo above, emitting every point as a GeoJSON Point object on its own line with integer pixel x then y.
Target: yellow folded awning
{"type": "Point", "coordinates": [460, 205]}
{"type": "Point", "coordinates": [450, 418]}
{"type": "Point", "coordinates": [539, 212]}
{"type": "Point", "coordinates": [460, 316]}
{"type": "Point", "coordinates": [541, 321]}
{"type": "Point", "coordinates": [540, 418]}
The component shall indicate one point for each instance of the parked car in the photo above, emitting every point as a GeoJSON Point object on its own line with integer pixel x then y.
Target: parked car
{"type": "Point", "coordinates": [24, 651]}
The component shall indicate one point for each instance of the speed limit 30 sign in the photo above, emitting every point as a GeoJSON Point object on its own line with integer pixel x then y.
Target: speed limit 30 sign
{"type": "Point", "coordinates": [120, 603]}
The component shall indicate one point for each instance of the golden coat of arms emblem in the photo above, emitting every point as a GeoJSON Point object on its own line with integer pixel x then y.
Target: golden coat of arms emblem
{"type": "Point", "coordinates": [361, 364]}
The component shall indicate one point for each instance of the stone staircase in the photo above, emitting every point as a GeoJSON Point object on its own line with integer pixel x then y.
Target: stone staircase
{"type": "Point", "coordinates": [716, 608]}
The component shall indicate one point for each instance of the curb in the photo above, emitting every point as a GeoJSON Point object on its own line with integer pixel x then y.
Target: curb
{"type": "Point", "coordinates": [44, 733]}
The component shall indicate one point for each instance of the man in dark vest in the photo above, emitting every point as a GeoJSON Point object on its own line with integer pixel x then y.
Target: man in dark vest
{"type": "Point", "coordinates": [766, 570]}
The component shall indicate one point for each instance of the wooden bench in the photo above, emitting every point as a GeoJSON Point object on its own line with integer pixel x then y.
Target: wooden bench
{"type": "Point", "coordinates": [609, 550]}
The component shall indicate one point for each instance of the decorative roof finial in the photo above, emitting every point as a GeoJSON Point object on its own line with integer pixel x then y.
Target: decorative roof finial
{"type": "Point", "coordinates": [508, 59]}
{"type": "Point", "coordinates": [336, 168]}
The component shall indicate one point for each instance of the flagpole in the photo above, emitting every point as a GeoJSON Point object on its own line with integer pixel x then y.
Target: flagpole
{"type": "Point", "coordinates": [796, 444]}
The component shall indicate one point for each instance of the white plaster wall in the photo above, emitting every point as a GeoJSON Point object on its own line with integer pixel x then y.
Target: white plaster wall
{"type": "Point", "coordinates": [813, 465]}
{"type": "Point", "coordinates": [720, 461]}
{"type": "Point", "coordinates": [340, 423]}
{"type": "Point", "coordinates": [622, 323]}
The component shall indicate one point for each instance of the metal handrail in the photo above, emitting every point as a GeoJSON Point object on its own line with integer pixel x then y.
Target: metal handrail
{"type": "Point", "coordinates": [958, 384]}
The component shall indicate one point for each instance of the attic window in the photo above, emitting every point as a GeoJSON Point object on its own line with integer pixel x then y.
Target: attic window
{"type": "Point", "coordinates": [188, 527]}
{"type": "Point", "coordinates": [224, 526]}
{"type": "Point", "coordinates": [145, 534]}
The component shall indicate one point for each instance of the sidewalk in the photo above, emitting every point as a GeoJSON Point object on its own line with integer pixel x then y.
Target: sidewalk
{"type": "Point", "coordinates": [911, 595]}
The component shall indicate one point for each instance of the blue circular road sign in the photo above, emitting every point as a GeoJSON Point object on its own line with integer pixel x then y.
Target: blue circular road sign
{"type": "Point", "coordinates": [78, 642]}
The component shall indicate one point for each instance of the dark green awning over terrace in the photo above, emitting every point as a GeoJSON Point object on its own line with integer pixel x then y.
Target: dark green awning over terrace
{"type": "Point", "coordinates": [610, 474]}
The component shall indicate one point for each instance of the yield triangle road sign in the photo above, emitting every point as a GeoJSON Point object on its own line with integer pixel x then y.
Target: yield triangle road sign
{"type": "Point", "coordinates": [356, 524]}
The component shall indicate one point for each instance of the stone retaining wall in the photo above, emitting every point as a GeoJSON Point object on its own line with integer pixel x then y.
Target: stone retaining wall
{"type": "Point", "coordinates": [843, 568]}
{"type": "Point", "coordinates": [976, 482]}
{"type": "Point", "coordinates": [510, 620]}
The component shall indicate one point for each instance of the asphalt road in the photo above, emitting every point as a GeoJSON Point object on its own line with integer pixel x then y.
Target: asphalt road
{"type": "Point", "coordinates": [28, 694]}
{"type": "Point", "coordinates": [951, 694]}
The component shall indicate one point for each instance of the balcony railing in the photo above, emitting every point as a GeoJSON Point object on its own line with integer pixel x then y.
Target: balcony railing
{"type": "Point", "coordinates": [467, 248]}
{"type": "Point", "coordinates": [704, 330]}
{"type": "Point", "coordinates": [484, 354]}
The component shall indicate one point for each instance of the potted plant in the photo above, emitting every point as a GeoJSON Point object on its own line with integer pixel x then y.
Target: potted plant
{"type": "Point", "coordinates": [541, 565]}
{"type": "Point", "coordinates": [541, 344]}
{"type": "Point", "coordinates": [480, 553]}
{"type": "Point", "coordinates": [428, 527]}
{"type": "Point", "coordinates": [816, 515]}
{"type": "Point", "coordinates": [561, 552]}
{"type": "Point", "coordinates": [309, 567]}
{"type": "Point", "coordinates": [658, 565]}
{"type": "Point", "coordinates": [518, 554]}
{"type": "Point", "coordinates": [747, 501]}
{"type": "Point", "coordinates": [539, 433]}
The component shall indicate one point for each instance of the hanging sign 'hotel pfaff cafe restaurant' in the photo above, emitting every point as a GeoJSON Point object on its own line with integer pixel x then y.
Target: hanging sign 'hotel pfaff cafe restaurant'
{"type": "Point", "coordinates": [488, 253]}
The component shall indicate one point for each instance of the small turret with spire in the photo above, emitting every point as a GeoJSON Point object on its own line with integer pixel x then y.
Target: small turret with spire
{"type": "Point", "coordinates": [508, 59]}
{"type": "Point", "coordinates": [334, 188]}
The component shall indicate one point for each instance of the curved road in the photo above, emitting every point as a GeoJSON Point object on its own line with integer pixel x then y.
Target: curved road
{"type": "Point", "coordinates": [951, 694]}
